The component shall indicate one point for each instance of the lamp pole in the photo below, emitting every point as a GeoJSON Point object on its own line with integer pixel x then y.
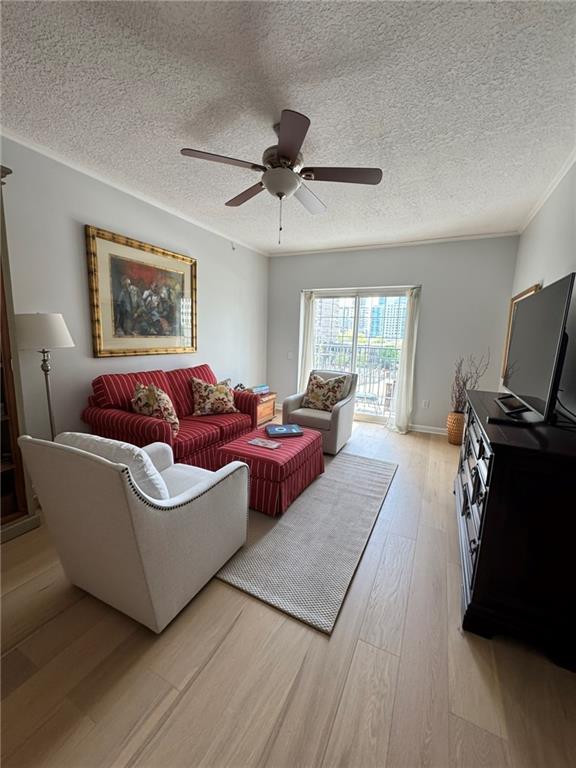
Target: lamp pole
{"type": "Point", "coordinates": [45, 366]}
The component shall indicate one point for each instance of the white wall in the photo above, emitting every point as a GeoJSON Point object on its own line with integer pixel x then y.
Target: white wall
{"type": "Point", "coordinates": [547, 247]}
{"type": "Point", "coordinates": [466, 287]}
{"type": "Point", "coordinates": [547, 252]}
{"type": "Point", "coordinates": [47, 205]}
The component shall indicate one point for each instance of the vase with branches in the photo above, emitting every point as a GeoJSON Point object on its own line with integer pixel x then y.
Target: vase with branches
{"type": "Point", "coordinates": [467, 374]}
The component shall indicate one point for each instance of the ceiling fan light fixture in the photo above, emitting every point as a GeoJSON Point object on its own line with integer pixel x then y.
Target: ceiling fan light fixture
{"type": "Point", "coordinates": [281, 182]}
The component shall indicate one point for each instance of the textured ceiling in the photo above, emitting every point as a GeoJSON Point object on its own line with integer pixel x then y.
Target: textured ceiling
{"type": "Point", "coordinates": [469, 108]}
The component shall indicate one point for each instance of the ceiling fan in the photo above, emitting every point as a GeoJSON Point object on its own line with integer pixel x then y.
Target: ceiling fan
{"type": "Point", "coordinates": [282, 168]}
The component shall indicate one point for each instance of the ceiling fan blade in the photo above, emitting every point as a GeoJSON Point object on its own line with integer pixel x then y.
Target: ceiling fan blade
{"type": "Point", "coordinates": [243, 197]}
{"type": "Point", "coordinates": [348, 175]}
{"type": "Point", "coordinates": [309, 200]}
{"type": "Point", "coordinates": [291, 134]}
{"type": "Point", "coordinates": [221, 159]}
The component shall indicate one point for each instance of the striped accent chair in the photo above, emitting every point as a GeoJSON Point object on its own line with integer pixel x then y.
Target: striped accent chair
{"type": "Point", "coordinates": [109, 414]}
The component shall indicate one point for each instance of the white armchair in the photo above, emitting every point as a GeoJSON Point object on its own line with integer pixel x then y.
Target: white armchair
{"type": "Point", "coordinates": [335, 425]}
{"type": "Point", "coordinates": [146, 555]}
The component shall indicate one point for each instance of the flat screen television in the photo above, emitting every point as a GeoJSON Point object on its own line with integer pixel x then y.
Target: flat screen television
{"type": "Point", "coordinates": [538, 342]}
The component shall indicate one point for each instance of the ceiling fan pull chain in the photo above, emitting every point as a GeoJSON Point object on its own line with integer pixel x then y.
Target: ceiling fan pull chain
{"type": "Point", "coordinates": [280, 223]}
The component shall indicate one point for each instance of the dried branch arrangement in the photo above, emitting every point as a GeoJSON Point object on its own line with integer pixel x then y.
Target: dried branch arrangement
{"type": "Point", "coordinates": [467, 374]}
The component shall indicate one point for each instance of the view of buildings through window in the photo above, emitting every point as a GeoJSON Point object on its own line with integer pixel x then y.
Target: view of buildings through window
{"type": "Point", "coordinates": [362, 334]}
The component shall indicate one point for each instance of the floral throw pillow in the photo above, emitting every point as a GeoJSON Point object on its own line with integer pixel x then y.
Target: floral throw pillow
{"type": "Point", "coordinates": [323, 394]}
{"type": "Point", "coordinates": [150, 400]}
{"type": "Point", "coordinates": [212, 398]}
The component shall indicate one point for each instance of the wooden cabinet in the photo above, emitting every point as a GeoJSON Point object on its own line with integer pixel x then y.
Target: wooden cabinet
{"type": "Point", "coordinates": [516, 507]}
{"type": "Point", "coordinates": [266, 408]}
{"type": "Point", "coordinates": [12, 474]}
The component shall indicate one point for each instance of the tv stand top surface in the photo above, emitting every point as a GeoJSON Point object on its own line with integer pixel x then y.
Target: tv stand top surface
{"type": "Point", "coordinates": [545, 438]}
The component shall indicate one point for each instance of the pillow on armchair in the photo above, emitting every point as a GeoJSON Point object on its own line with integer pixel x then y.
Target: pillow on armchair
{"type": "Point", "coordinates": [323, 394]}
{"type": "Point", "coordinates": [212, 398]}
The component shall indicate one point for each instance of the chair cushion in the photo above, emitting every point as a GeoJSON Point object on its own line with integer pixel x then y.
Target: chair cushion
{"type": "Point", "coordinates": [179, 380]}
{"type": "Point", "coordinates": [210, 399]}
{"type": "Point", "coordinates": [323, 394]}
{"type": "Point", "coordinates": [194, 434]}
{"type": "Point", "coordinates": [312, 418]}
{"type": "Point", "coordinates": [116, 390]}
{"type": "Point", "coordinates": [150, 400]}
{"type": "Point", "coordinates": [231, 425]}
{"type": "Point", "coordinates": [143, 471]}
{"type": "Point", "coordinates": [181, 477]}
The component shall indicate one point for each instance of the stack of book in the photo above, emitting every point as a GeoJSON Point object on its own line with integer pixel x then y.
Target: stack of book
{"type": "Point", "coordinates": [260, 389]}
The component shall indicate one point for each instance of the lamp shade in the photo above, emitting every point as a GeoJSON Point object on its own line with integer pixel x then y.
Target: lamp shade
{"type": "Point", "coordinates": [42, 331]}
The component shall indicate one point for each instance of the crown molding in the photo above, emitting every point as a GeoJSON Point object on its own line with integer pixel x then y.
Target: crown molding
{"type": "Point", "coordinates": [398, 244]}
{"type": "Point", "coordinates": [7, 133]}
{"type": "Point", "coordinates": [564, 168]}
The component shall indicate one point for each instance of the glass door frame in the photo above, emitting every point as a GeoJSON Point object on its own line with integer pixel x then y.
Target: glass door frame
{"type": "Point", "coordinates": [357, 294]}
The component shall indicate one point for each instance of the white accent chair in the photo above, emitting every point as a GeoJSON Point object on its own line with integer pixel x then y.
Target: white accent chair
{"type": "Point", "coordinates": [335, 425]}
{"type": "Point", "coordinates": [146, 556]}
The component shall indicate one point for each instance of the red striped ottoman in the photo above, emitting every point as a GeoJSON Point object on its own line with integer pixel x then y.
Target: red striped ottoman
{"type": "Point", "coordinates": [277, 476]}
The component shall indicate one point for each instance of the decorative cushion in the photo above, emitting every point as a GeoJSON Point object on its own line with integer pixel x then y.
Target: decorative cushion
{"type": "Point", "coordinates": [212, 398]}
{"type": "Point", "coordinates": [152, 401]}
{"type": "Point", "coordinates": [179, 380]}
{"type": "Point", "coordinates": [143, 471]}
{"type": "Point", "coordinates": [323, 394]}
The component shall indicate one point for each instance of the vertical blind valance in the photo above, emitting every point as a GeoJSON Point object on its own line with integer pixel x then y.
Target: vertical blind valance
{"type": "Point", "coordinates": [334, 293]}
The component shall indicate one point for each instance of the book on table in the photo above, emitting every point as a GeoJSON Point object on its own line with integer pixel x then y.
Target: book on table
{"type": "Point", "coordinates": [261, 389]}
{"type": "Point", "coordinates": [284, 430]}
{"type": "Point", "coordinates": [263, 443]}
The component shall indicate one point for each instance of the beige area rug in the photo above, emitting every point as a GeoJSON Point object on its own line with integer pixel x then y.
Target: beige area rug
{"type": "Point", "coordinates": [305, 562]}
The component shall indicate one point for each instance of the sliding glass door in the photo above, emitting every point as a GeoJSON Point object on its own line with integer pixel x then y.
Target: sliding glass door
{"type": "Point", "coordinates": [362, 332]}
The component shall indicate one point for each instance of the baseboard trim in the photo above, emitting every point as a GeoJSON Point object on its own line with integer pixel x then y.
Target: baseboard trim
{"type": "Point", "coordinates": [429, 430]}
{"type": "Point", "coordinates": [18, 527]}
{"type": "Point", "coordinates": [412, 427]}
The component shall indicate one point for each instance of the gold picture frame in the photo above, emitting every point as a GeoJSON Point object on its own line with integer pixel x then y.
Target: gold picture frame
{"type": "Point", "coordinates": [513, 302]}
{"type": "Point", "coordinates": [142, 297]}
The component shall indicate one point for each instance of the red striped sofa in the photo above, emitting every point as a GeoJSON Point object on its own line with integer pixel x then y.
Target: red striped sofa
{"type": "Point", "coordinates": [109, 414]}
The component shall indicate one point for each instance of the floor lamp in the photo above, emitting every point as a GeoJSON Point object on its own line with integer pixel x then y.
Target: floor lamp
{"type": "Point", "coordinates": [43, 332]}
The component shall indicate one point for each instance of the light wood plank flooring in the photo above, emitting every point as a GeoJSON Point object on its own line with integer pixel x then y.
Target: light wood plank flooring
{"type": "Point", "coordinates": [233, 682]}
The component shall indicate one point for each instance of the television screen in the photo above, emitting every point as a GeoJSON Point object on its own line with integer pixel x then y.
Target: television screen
{"type": "Point", "coordinates": [535, 345]}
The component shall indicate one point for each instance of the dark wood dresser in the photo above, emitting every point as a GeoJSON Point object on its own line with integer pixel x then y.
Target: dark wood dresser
{"type": "Point", "coordinates": [516, 507]}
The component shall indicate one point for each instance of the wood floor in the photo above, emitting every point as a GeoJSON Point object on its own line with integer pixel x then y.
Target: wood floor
{"type": "Point", "coordinates": [233, 682]}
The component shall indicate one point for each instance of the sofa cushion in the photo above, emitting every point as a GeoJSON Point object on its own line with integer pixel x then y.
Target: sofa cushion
{"type": "Point", "coordinates": [179, 379]}
{"type": "Point", "coordinates": [230, 425]}
{"type": "Point", "coordinates": [116, 390]}
{"type": "Point", "coordinates": [312, 418]}
{"type": "Point", "coordinates": [150, 400]}
{"type": "Point", "coordinates": [143, 471]}
{"type": "Point", "coordinates": [323, 394]}
{"type": "Point", "coordinates": [194, 434]}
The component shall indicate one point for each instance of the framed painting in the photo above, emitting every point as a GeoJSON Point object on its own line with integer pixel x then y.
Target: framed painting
{"type": "Point", "coordinates": [142, 298]}
{"type": "Point", "coordinates": [513, 303]}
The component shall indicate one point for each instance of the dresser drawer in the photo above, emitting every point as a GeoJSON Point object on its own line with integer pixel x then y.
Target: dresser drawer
{"type": "Point", "coordinates": [481, 451]}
